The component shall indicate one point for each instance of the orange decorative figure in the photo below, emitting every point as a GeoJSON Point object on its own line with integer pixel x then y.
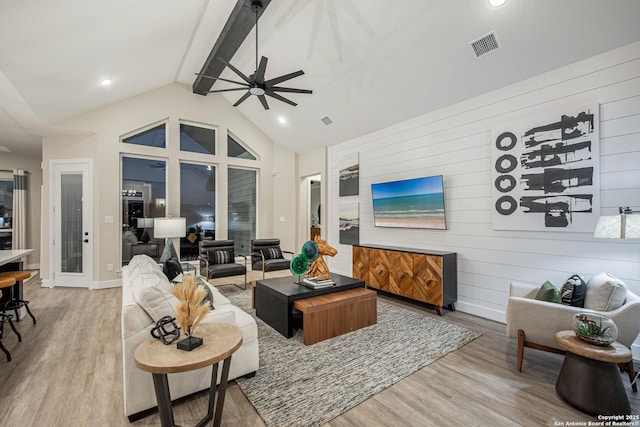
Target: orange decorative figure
{"type": "Point", "coordinates": [319, 267]}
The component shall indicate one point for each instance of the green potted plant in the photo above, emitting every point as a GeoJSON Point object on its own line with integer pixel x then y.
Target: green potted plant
{"type": "Point", "coordinates": [595, 328]}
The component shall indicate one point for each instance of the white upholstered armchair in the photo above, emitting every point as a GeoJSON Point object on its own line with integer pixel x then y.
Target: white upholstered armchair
{"type": "Point", "coordinates": [534, 323]}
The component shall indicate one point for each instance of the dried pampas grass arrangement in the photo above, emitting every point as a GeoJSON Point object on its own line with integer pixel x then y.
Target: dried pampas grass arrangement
{"type": "Point", "coordinates": [192, 307]}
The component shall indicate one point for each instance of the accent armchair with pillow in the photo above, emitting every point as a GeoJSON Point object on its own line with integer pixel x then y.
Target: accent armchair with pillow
{"type": "Point", "coordinates": [266, 255]}
{"type": "Point", "coordinates": [217, 259]}
{"type": "Point", "coordinates": [534, 322]}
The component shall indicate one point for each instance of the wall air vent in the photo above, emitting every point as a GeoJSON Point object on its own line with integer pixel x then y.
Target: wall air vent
{"type": "Point", "coordinates": [326, 120]}
{"type": "Point", "coordinates": [485, 44]}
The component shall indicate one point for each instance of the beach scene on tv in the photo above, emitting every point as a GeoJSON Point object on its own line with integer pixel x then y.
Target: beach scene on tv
{"type": "Point", "coordinates": [411, 203]}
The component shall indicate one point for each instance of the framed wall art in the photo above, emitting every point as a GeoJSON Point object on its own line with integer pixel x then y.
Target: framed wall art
{"type": "Point", "coordinates": [545, 172]}
{"type": "Point", "coordinates": [350, 223]}
{"type": "Point", "coordinates": [349, 175]}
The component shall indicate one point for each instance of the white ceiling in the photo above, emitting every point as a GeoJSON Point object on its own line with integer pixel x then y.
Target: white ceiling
{"type": "Point", "coordinates": [370, 63]}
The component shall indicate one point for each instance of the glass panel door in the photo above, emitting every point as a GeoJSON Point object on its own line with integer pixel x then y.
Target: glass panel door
{"type": "Point", "coordinates": [71, 258]}
{"type": "Point", "coordinates": [72, 223]}
{"type": "Point", "coordinates": [242, 208]}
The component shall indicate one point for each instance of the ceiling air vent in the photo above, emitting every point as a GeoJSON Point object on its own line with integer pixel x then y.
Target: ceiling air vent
{"type": "Point", "coordinates": [326, 120]}
{"type": "Point", "coordinates": [485, 44]}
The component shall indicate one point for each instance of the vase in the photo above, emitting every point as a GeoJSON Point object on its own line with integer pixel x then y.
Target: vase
{"type": "Point", "coordinates": [595, 328]}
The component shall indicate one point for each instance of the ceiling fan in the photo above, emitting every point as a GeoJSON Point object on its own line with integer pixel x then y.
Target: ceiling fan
{"type": "Point", "coordinates": [255, 84]}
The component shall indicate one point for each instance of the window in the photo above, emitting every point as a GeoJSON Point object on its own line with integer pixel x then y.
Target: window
{"type": "Point", "coordinates": [6, 211]}
{"type": "Point", "coordinates": [236, 149]}
{"type": "Point", "coordinates": [242, 208]}
{"type": "Point", "coordinates": [198, 202]}
{"type": "Point", "coordinates": [143, 198]}
{"type": "Point", "coordinates": [153, 137]}
{"type": "Point", "coordinates": [197, 139]}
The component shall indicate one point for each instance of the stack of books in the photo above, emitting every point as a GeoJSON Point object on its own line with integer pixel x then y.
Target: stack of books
{"type": "Point", "coordinates": [315, 283]}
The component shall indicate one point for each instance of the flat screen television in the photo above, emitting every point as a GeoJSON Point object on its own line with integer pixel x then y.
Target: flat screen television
{"type": "Point", "coordinates": [409, 203]}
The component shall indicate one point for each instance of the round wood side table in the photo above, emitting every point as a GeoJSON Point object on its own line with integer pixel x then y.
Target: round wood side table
{"type": "Point", "coordinates": [589, 379]}
{"type": "Point", "coordinates": [221, 340]}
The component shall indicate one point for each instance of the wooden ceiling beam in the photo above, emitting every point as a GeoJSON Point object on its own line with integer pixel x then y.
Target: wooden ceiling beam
{"type": "Point", "coordinates": [235, 31]}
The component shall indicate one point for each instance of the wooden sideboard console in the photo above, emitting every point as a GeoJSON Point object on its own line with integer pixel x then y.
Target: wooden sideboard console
{"type": "Point", "coordinates": [418, 274]}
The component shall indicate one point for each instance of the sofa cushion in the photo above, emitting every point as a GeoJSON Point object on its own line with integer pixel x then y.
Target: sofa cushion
{"type": "Point", "coordinates": [223, 256]}
{"type": "Point", "coordinates": [143, 264]}
{"type": "Point", "coordinates": [605, 292]}
{"type": "Point", "coordinates": [151, 292]}
{"type": "Point", "coordinates": [573, 291]}
{"type": "Point", "coordinates": [548, 292]}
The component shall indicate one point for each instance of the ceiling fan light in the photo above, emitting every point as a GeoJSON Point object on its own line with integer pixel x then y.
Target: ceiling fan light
{"type": "Point", "coordinates": [256, 91]}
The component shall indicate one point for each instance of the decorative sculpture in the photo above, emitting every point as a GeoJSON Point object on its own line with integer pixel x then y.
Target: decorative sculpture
{"type": "Point", "coordinates": [300, 262]}
{"type": "Point", "coordinates": [190, 310]}
{"type": "Point", "coordinates": [319, 267]}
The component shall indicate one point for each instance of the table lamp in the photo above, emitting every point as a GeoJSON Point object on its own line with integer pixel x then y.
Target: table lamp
{"type": "Point", "coordinates": [169, 228]}
{"type": "Point", "coordinates": [621, 226]}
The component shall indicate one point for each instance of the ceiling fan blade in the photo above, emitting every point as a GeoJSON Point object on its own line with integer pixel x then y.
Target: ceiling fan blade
{"type": "Point", "coordinates": [263, 101]}
{"type": "Point", "coordinates": [259, 76]}
{"type": "Point", "coordinates": [241, 100]}
{"type": "Point", "coordinates": [220, 78]}
{"type": "Point", "coordinates": [280, 98]}
{"type": "Point", "coordinates": [235, 70]}
{"type": "Point", "coordinates": [227, 90]}
{"type": "Point", "coordinates": [289, 89]}
{"type": "Point", "coordinates": [284, 78]}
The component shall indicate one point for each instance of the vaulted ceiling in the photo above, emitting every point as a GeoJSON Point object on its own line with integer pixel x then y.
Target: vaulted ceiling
{"type": "Point", "coordinates": [370, 64]}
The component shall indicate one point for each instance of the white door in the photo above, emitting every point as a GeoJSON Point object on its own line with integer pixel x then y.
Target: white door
{"type": "Point", "coordinates": [72, 223]}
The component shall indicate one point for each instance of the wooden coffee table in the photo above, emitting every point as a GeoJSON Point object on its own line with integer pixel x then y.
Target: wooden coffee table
{"type": "Point", "coordinates": [589, 379]}
{"type": "Point", "coordinates": [274, 298]}
{"type": "Point", "coordinates": [221, 340]}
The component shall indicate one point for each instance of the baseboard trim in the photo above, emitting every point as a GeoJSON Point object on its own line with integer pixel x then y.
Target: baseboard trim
{"type": "Point", "coordinates": [46, 283]}
{"type": "Point", "coordinates": [107, 284]}
{"type": "Point", "coordinates": [487, 313]}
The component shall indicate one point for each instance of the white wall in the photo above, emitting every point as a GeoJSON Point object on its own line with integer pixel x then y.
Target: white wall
{"type": "Point", "coordinates": [455, 142]}
{"type": "Point", "coordinates": [98, 138]}
{"type": "Point", "coordinates": [11, 161]}
{"type": "Point", "coordinates": [310, 164]}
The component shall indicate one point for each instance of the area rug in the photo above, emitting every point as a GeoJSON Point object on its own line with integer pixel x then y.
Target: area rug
{"type": "Point", "coordinates": [300, 385]}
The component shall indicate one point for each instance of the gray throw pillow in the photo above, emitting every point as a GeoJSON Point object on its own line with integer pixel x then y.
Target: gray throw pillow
{"type": "Point", "coordinates": [272, 253]}
{"type": "Point", "coordinates": [224, 256]}
{"type": "Point", "coordinates": [605, 293]}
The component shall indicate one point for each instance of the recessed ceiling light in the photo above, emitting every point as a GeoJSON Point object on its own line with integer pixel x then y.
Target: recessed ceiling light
{"type": "Point", "coordinates": [497, 3]}
{"type": "Point", "coordinates": [282, 120]}
{"type": "Point", "coordinates": [106, 82]}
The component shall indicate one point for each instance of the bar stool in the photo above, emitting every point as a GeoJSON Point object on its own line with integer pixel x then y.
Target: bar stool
{"type": "Point", "coordinates": [15, 303]}
{"type": "Point", "coordinates": [6, 282]}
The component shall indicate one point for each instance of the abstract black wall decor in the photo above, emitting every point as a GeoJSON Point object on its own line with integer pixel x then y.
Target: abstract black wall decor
{"type": "Point", "coordinates": [349, 175]}
{"type": "Point", "coordinates": [546, 172]}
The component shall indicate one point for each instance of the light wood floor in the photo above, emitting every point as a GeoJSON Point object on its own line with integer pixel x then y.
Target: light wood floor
{"type": "Point", "coordinates": [68, 372]}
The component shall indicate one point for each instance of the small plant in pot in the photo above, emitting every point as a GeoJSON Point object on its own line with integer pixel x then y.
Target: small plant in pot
{"type": "Point", "coordinates": [595, 328]}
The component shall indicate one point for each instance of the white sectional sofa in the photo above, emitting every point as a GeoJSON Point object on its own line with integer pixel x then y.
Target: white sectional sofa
{"type": "Point", "coordinates": [145, 299]}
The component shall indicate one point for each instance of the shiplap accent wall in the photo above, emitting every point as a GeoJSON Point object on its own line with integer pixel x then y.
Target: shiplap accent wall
{"type": "Point", "coordinates": [456, 143]}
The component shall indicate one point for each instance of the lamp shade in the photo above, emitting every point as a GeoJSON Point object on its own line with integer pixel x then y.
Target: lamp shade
{"type": "Point", "coordinates": [169, 227]}
{"type": "Point", "coordinates": [618, 227]}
